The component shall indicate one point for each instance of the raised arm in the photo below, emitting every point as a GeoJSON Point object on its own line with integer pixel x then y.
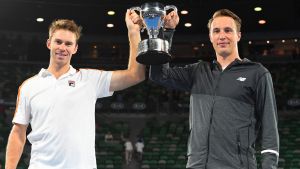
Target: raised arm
{"type": "Point", "coordinates": [135, 72]}
{"type": "Point", "coordinates": [15, 145]}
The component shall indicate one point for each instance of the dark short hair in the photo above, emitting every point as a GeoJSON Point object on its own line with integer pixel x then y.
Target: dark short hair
{"type": "Point", "coordinates": [226, 12]}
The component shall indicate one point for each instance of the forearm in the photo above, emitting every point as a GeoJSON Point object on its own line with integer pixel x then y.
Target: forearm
{"type": "Point", "coordinates": [270, 145]}
{"type": "Point", "coordinates": [269, 121]}
{"type": "Point", "coordinates": [156, 72]}
{"type": "Point", "coordinates": [167, 34]}
{"type": "Point", "coordinates": [135, 72]}
{"type": "Point", "coordinates": [15, 145]}
{"type": "Point", "coordinates": [136, 69]}
{"type": "Point", "coordinates": [176, 78]}
{"type": "Point", "coordinates": [269, 161]}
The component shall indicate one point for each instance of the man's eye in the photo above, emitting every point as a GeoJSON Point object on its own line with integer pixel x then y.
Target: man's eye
{"type": "Point", "coordinates": [58, 42]}
{"type": "Point", "coordinates": [228, 30]}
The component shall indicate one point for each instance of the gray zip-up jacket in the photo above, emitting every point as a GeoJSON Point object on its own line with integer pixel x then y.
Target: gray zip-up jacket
{"type": "Point", "coordinates": [227, 111]}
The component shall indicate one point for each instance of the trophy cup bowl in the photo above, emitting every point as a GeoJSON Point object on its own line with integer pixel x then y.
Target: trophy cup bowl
{"type": "Point", "coordinates": [153, 51]}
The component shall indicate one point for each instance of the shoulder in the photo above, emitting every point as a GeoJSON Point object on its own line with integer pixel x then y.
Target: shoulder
{"type": "Point", "coordinates": [89, 70]}
{"type": "Point", "coordinates": [198, 64]}
{"type": "Point", "coordinates": [258, 71]}
{"type": "Point", "coordinates": [258, 67]}
{"type": "Point", "coordinates": [93, 72]}
{"type": "Point", "coordinates": [29, 83]}
{"type": "Point", "coordinates": [261, 70]}
{"type": "Point", "coordinates": [201, 63]}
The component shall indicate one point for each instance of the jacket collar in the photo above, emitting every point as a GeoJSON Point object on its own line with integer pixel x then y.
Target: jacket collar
{"type": "Point", "coordinates": [217, 65]}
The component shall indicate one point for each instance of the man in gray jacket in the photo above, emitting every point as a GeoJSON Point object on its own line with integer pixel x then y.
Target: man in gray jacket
{"type": "Point", "coordinates": [232, 100]}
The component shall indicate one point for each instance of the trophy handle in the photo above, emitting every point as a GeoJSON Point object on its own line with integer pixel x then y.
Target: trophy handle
{"type": "Point", "coordinates": [170, 7]}
{"type": "Point", "coordinates": [167, 8]}
{"type": "Point", "coordinates": [139, 9]}
{"type": "Point", "coordinates": [136, 8]}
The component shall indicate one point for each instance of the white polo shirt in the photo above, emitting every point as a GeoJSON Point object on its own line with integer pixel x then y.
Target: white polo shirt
{"type": "Point", "coordinates": [62, 116]}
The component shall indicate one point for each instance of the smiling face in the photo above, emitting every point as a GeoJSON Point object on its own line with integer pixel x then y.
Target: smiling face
{"type": "Point", "coordinates": [224, 36]}
{"type": "Point", "coordinates": [62, 45]}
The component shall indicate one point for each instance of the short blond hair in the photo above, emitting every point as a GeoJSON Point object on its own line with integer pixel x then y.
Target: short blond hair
{"type": "Point", "coordinates": [65, 24]}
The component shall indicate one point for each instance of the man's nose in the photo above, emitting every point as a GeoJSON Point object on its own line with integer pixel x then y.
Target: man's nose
{"type": "Point", "coordinates": [62, 46]}
{"type": "Point", "coordinates": [222, 35]}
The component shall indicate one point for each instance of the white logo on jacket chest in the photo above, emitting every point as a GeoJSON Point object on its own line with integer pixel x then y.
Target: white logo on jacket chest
{"type": "Point", "coordinates": [242, 79]}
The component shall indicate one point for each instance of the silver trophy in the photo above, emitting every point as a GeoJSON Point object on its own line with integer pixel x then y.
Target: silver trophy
{"type": "Point", "coordinates": [154, 50]}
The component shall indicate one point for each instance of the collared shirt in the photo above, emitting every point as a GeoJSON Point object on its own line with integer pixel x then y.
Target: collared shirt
{"type": "Point", "coordinates": [61, 113]}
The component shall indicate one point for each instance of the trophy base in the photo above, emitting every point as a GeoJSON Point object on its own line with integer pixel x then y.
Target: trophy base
{"type": "Point", "coordinates": [153, 52]}
{"type": "Point", "coordinates": [153, 58]}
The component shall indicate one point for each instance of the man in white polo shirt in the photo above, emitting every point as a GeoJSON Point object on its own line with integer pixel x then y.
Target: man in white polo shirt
{"type": "Point", "coordinates": [59, 102]}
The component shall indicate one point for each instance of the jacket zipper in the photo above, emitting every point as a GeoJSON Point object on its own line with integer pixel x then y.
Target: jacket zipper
{"type": "Point", "coordinates": [208, 136]}
{"type": "Point", "coordinates": [239, 149]}
{"type": "Point", "coordinates": [211, 116]}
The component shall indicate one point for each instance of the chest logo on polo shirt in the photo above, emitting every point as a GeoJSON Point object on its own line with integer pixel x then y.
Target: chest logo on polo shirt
{"type": "Point", "coordinates": [71, 83]}
{"type": "Point", "coordinates": [242, 79]}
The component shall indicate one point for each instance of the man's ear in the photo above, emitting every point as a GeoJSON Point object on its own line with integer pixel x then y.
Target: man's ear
{"type": "Point", "coordinates": [48, 43]}
{"type": "Point", "coordinates": [76, 48]}
{"type": "Point", "coordinates": [239, 36]}
{"type": "Point", "coordinates": [209, 37]}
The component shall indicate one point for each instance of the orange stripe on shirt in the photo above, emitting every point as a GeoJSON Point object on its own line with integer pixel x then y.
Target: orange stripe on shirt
{"type": "Point", "coordinates": [19, 91]}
